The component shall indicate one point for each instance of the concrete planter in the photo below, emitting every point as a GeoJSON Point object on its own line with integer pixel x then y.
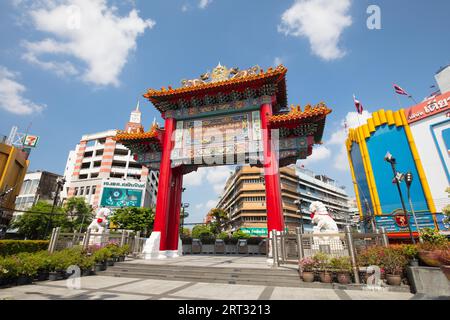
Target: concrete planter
{"type": "Point", "coordinates": [187, 248]}
{"type": "Point", "coordinates": [230, 248]}
{"type": "Point", "coordinates": [253, 249]}
{"type": "Point", "coordinates": [208, 248]}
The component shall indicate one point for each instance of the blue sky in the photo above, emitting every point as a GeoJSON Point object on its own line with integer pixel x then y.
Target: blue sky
{"type": "Point", "coordinates": [70, 76]}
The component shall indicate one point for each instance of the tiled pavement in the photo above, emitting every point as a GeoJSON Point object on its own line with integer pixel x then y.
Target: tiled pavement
{"type": "Point", "coordinates": [113, 288]}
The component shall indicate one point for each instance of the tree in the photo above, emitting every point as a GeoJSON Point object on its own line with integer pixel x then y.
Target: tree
{"type": "Point", "coordinates": [80, 213]}
{"type": "Point", "coordinates": [186, 232]}
{"type": "Point", "coordinates": [134, 218]}
{"type": "Point", "coordinates": [219, 220]}
{"type": "Point", "coordinates": [38, 222]}
{"type": "Point", "coordinates": [202, 232]}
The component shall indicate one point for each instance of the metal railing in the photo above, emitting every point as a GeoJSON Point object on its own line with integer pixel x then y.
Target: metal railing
{"type": "Point", "coordinates": [61, 241]}
{"type": "Point", "coordinates": [290, 248]}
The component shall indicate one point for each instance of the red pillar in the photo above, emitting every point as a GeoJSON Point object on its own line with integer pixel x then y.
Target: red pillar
{"type": "Point", "coordinates": [173, 224]}
{"type": "Point", "coordinates": [164, 185]}
{"type": "Point", "coordinates": [274, 207]}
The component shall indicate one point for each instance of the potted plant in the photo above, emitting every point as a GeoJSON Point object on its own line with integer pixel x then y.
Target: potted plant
{"type": "Point", "coordinates": [343, 269]}
{"type": "Point", "coordinates": [306, 266]}
{"type": "Point", "coordinates": [430, 250]}
{"type": "Point", "coordinates": [123, 252]}
{"type": "Point", "coordinates": [394, 263]}
{"type": "Point", "coordinates": [322, 261]}
{"type": "Point", "coordinates": [372, 256]}
{"type": "Point", "coordinates": [100, 257]}
{"type": "Point", "coordinates": [27, 268]}
{"type": "Point", "coordinates": [444, 257]}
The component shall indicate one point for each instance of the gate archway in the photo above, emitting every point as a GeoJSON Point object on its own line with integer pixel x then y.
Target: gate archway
{"type": "Point", "coordinates": [226, 117]}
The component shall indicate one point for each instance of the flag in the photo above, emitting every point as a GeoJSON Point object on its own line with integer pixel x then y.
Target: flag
{"type": "Point", "coordinates": [399, 90]}
{"type": "Point", "coordinates": [358, 105]}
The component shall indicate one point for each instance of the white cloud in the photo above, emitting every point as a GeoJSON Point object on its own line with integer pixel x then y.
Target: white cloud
{"type": "Point", "coordinates": [319, 153]}
{"type": "Point", "coordinates": [214, 176]}
{"type": "Point", "coordinates": [277, 61]}
{"type": "Point", "coordinates": [352, 120]}
{"type": "Point", "coordinates": [88, 30]}
{"type": "Point", "coordinates": [321, 21]}
{"type": "Point", "coordinates": [184, 8]}
{"type": "Point", "coordinates": [11, 95]}
{"type": "Point", "coordinates": [204, 3]}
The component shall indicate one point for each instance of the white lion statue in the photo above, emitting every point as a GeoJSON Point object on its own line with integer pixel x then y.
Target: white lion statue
{"type": "Point", "coordinates": [98, 225]}
{"type": "Point", "coordinates": [325, 224]}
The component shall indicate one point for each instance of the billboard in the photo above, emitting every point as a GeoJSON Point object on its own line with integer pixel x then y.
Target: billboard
{"type": "Point", "coordinates": [121, 197]}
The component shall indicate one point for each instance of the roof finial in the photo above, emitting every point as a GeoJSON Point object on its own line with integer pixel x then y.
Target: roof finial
{"type": "Point", "coordinates": [138, 105]}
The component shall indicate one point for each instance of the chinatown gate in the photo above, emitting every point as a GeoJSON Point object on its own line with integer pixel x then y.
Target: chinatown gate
{"type": "Point", "coordinates": [225, 117]}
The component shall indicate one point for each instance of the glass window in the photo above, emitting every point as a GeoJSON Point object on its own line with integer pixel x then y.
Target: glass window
{"type": "Point", "coordinates": [76, 192]}
{"type": "Point", "coordinates": [94, 189]}
{"type": "Point", "coordinates": [88, 190]}
{"type": "Point", "coordinates": [81, 191]}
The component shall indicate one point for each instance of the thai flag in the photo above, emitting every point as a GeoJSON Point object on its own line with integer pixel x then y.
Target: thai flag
{"type": "Point", "coordinates": [399, 90]}
{"type": "Point", "coordinates": [358, 105]}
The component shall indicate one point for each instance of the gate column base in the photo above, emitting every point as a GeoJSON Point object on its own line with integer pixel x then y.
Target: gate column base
{"type": "Point", "coordinates": [151, 248]}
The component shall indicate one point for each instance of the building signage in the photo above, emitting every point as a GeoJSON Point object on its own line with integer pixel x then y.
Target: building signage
{"type": "Point", "coordinates": [428, 108]}
{"type": "Point", "coordinates": [217, 140]}
{"type": "Point", "coordinates": [121, 197]}
{"type": "Point", "coordinates": [124, 184]}
{"type": "Point", "coordinates": [30, 141]}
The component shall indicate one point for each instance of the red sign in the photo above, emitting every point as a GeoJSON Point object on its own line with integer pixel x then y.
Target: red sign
{"type": "Point", "coordinates": [429, 107]}
{"type": "Point", "coordinates": [401, 220]}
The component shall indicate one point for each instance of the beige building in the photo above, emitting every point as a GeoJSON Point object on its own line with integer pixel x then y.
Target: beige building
{"type": "Point", "coordinates": [244, 198]}
{"type": "Point", "coordinates": [245, 201]}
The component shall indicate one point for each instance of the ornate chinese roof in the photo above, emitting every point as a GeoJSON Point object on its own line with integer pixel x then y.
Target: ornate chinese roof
{"type": "Point", "coordinates": [296, 122]}
{"type": "Point", "coordinates": [296, 114]}
{"type": "Point", "coordinates": [150, 139]}
{"type": "Point", "coordinates": [227, 84]}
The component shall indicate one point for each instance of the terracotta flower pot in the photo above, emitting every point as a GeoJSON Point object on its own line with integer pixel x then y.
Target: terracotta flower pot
{"type": "Point", "coordinates": [394, 279]}
{"type": "Point", "coordinates": [446, 271]}
{"type": "Point", "coordinates": [430, 258]}
{"type": "Point", "coordinates": [326, 277]}
{"type": "Point", "coordinates": [343, 277]}
{"type": "Point", "coordinates": [308, 276]}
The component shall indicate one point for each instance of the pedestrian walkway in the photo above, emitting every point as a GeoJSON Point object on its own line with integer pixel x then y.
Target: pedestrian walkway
{"type": "Point", "coordinates": [115, 288]}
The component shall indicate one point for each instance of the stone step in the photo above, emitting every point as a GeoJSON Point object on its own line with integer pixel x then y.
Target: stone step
{"type": "Point", "coordinates": [196, 278]}
{"type": "Point", "coordinates": [205, 275]}
{"type": "Point", "coordinates": [200, 269]}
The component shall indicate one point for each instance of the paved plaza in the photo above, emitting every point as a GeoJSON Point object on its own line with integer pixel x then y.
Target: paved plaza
{"type": "Point", "coordinates": [114, 288]}
{"type": "Point", "coordinates": [121, 288]}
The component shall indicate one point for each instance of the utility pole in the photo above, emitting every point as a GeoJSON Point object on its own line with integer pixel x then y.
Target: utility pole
{"type": "Point", "coordinates": [389, 158]}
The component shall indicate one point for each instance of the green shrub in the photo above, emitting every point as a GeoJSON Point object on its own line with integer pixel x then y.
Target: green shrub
{"type": "Point", "coordinates": [240, 235]}
{"type": "Point", "coordinates": [10, 247]}
{"type": "Point", "coordinates": [322, 261]}
{"type": "Point", "coordinates": [341, 264]}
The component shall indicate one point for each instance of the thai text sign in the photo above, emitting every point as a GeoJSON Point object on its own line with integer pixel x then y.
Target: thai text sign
{"type": "Point", "coordinates": [428, 108]}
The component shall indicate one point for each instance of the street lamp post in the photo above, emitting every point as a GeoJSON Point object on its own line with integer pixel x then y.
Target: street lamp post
{"type": "Point", "coordinates": [408, 181]}
{"type": "Point", "coordinates": [389, 158]}
{"type": "Point", "coordinates": [299, 204]}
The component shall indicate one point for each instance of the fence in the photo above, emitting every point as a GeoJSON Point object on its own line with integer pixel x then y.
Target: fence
{"type": "Point", "coordinates": [61, 241]}
{"type": "Point", "coordinates": [290, 248]}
